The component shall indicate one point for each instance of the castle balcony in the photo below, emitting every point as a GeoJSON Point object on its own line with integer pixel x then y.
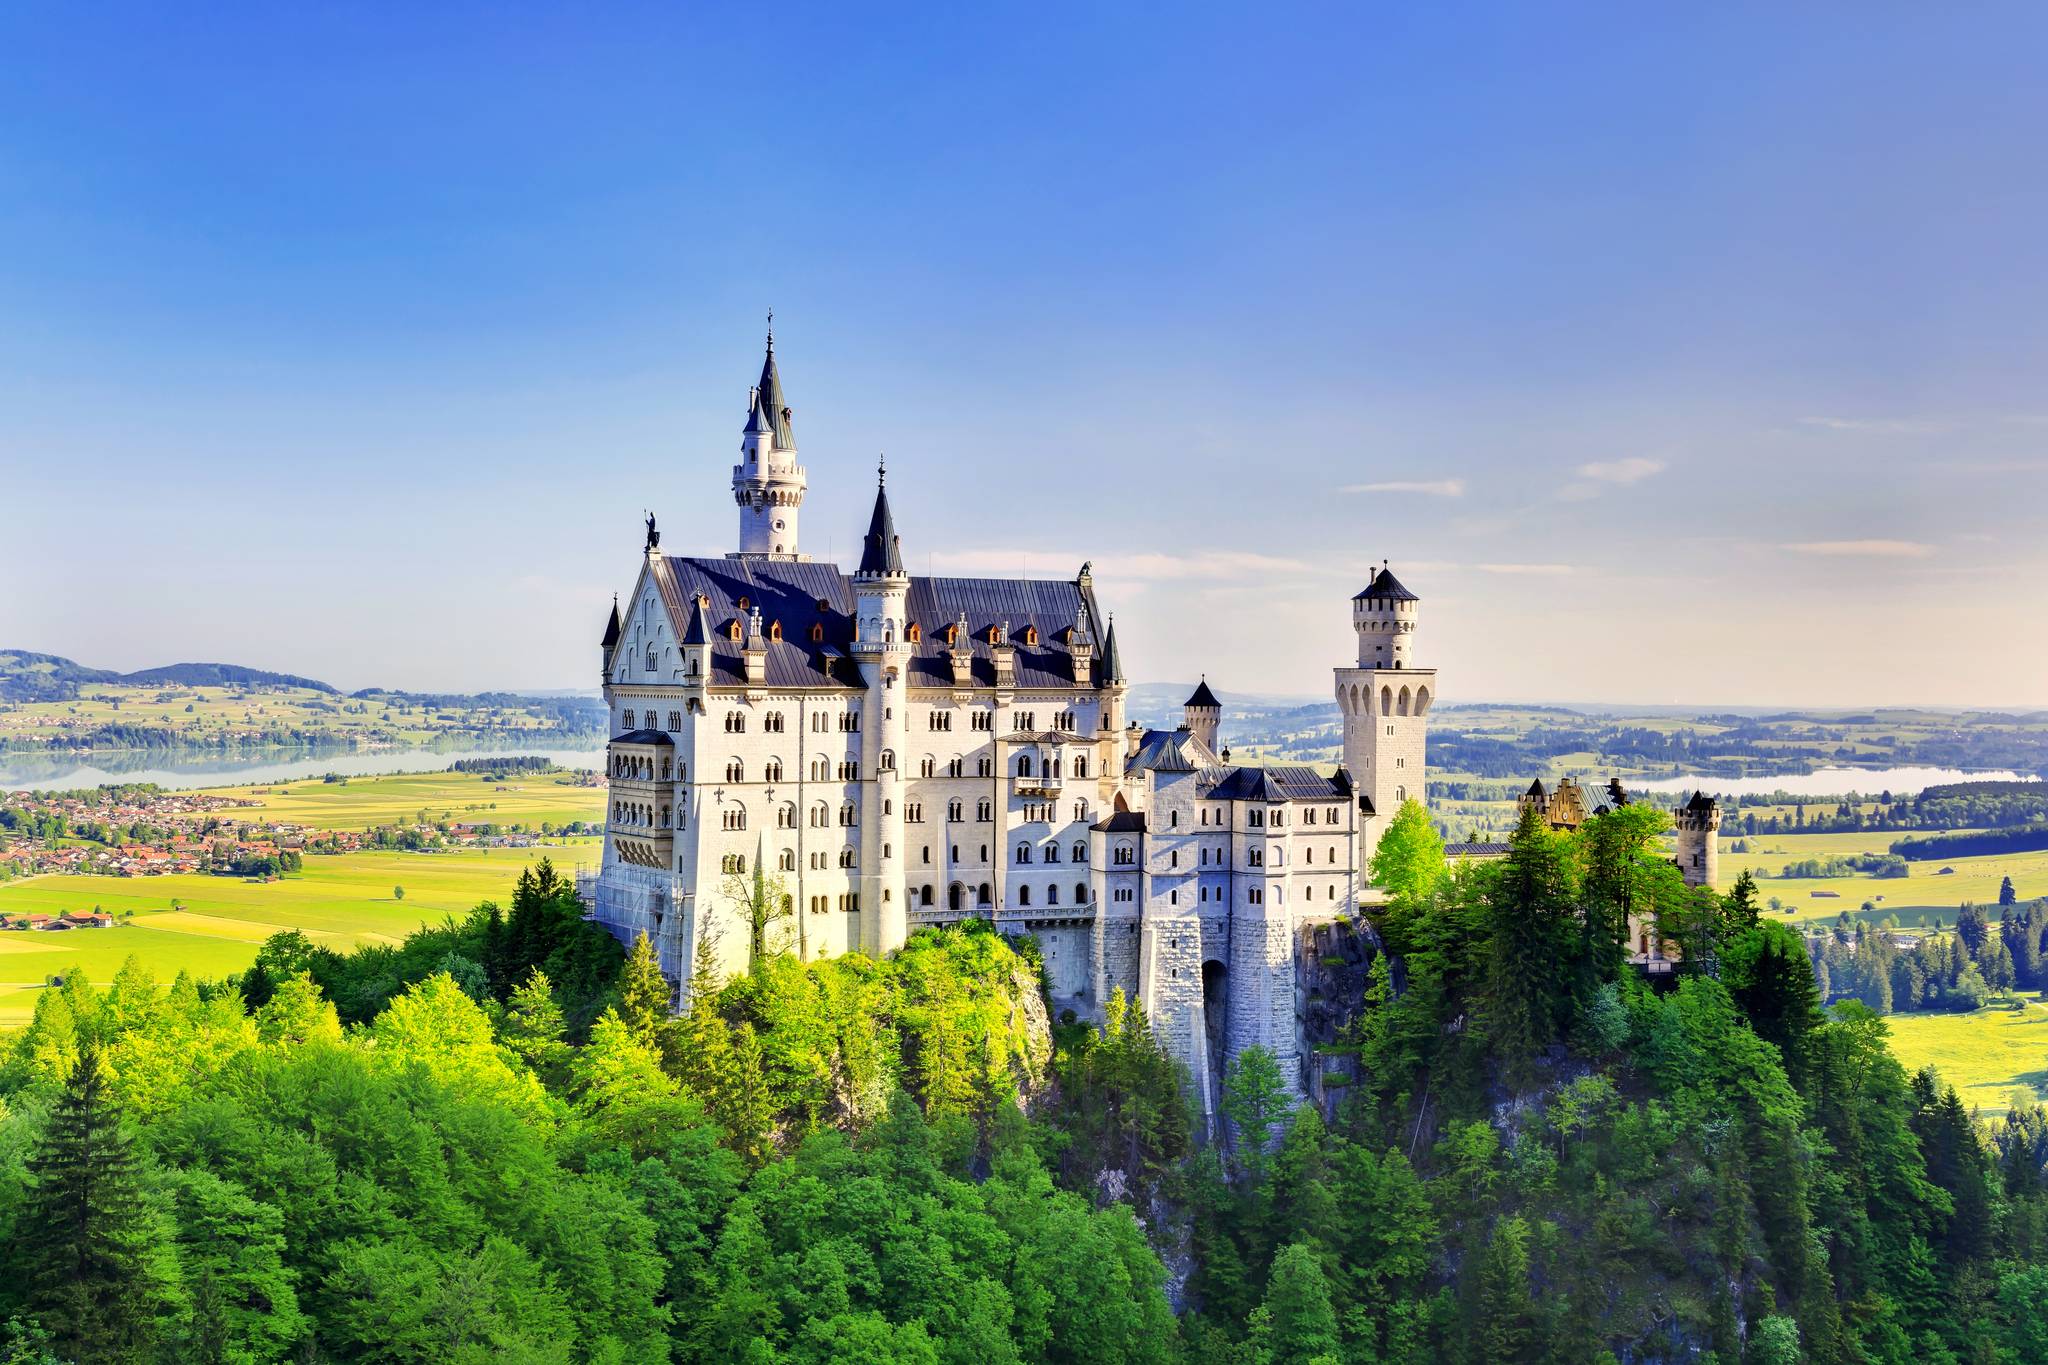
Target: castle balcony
{"type": "Point", "coordinates": [1038, 784]}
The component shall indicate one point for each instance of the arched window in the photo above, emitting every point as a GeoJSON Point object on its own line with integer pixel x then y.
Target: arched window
{"type": "Point", "coordinates": [821, 815]}
{"type": "Point", "coordinates": [732, 632]}
{"type": "Point", "coordinates": [627, 721]}
{"type": "Point", "coordinates": [981, 896]}
{"type": "Point", "coordinates": [1401, 703]}
{"type": "Point", "coordinates": [1023, 853]}
{"type": "Point", "coordinates": [916, 636]}
{"type": "Point", "coordinates": [773, 772]}
{"type": "Point", "coordinates": [1080, 765]}
{"type": "Point", "coordinates": [888, 760]}
{"type": "Point", "coordinates": [1386, 701]}
{"type": "Point", "coordinates": [1125, 855]}
{"type": "Point", "coordinates": [984, 811]}
{"type": "Point", "coordinates": [928, 767]}
{"type": "Point", "coordinates": [1080, 893]}
{"type": "Point", "coordinates": [953, 811]}
{"type": "Point", "coordinates": [1080, 851]}
{"type": "Point", "coordinates": [1023, 895]}
{"type": "Point", "coordinates": [787, 862]}
{"type": "Point", "coordinates": [735, 771]}
{"type": "Point", "coordinates": [817, 634]}
{"type": "Point", "coordinates": [775, 631]}
{"type": "Point", "coordinates": [847, 815]}
{"type": "Point", "coordinates": [651, 656]}
{"type": "Point", "coordinates": [1023, 765]}
{"type": "Point", "coordinates": [1052, 894]}
{"type": "Point", "coordinates": [1031, 635]}
{"type": "Point", "coordinates": [924, 896]}
{"type": "Point", "coordinates": [734, 816]}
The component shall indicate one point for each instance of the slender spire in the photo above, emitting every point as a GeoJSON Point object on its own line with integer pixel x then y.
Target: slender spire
{"type": "Point", "coordinates": [880, 552]}
{"type": "Point", "coordinates": [698, 631]}
{"type": "Point", "coordinates": [770, 394]}
{"type": "Point", "coordinates": [612, 627]}
{"type": "Point", "coordinates": [1112, 662]}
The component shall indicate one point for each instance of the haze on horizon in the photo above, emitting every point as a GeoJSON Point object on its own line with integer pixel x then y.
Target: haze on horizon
{"type": "Point", "coordinates": [1670, 357]}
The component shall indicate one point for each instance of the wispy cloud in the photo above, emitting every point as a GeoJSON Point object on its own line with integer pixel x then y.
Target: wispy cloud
{"type": "Point", "coordinates": [1597, 476]}
{"type": "Point", "coordinates": [1863, 549]}
{"type": "Point", "coordinates": [1877, 426]}
{"type": "Point", "coordinates": [1436, 488]}
{"type": "Point", "coordinates": [1634, 469]}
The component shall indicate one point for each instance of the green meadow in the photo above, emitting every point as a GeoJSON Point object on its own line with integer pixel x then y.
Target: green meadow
{"type": "Point", "coordinates": [1921, 895]}
{"type": "Point", "coordinates": [530, 799]}
{"type": "Point", "coordinates": [1988, 1055]}
{"type": "Point", "coordinates": [210, 925]}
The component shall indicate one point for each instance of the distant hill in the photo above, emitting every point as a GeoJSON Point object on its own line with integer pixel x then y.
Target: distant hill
{"type": "Point", "coordinates": [25, 676]}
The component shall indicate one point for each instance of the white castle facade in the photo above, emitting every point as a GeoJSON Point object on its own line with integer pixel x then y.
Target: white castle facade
{"type": "Point", "coordinates": [883, 751]}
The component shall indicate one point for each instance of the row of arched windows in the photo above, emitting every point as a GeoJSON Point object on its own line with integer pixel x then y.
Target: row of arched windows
{"type": "Point", "coordinates": [1050, 853]}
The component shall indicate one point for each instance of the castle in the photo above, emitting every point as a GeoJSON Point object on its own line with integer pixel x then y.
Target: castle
{"type": "Point", "coordinates": [809, 759]}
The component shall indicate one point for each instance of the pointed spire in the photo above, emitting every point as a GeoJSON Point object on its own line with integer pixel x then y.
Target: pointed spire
{"type": "Point", "coordinates": [880, 553]}
{"type": "Point", "coordinates": [1203, 696]}
{"type": "Point", "coordinates": [770, 397]}
{"type": "Point", "coordinates": [699, 631]}
{"type": "Point", "coordinates": [612, 628]}
{"type": "Point", "coordinates": [758, 423]}
{"type": "Point", "coordinates": [1112, 662]}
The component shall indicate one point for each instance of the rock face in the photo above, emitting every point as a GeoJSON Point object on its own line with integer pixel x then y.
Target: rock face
{"type": "Point", "coordinates": [1332, 964]}
{"type": "Point", "coordinates": [1030, 1038]}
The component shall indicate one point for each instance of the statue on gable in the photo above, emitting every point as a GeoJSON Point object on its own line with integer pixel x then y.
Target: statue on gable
{"type": "Point", "coordinates": [653, 536]}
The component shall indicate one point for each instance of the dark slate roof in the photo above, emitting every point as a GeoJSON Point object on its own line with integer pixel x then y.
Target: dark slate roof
{"type": "Point", "coordinates": [1700, 801]}
{"type": "Point", "coordinates": [1163, 751]}
{"type": "Point", "coordinates": [758, 422]}
{"type": "Point", "coordinates": [772, 400]}
{"type": "Point", "coordinates": [1045, 737]}
{"type": "Point", "coordinates": [1478, 850]}
{"type": "Point", "coordinates": [879, 551]}
{"type": "Point", "coordinates": [1535, 788]}
{"type": "Point", "coordinates": [798, 595]}
{"type": "Point", "coordinates": [1365, 806]}
{"type": "Point", "coordinates": [643, 737]}
{"type": "Point", "coordinates": [1124, 822]}
{"type": "Point", "coordinates": [611, 627]}
{"type": "Point", "coordinates": [1276, 782]}
{"type": "Point", "coordinates": [1386, 587]}
{"type": "Point", "coordinates": [1203, 696]}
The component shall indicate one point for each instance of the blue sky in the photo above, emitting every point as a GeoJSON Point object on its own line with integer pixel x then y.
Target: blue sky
{"type": "Point", "coordinates": [1670, 357]}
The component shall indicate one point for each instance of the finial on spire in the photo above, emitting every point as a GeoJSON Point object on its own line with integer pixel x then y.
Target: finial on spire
{"type": "Point", "coordinates": [771, 329]}
{"type": "Point", "coordinates": [881, 469]}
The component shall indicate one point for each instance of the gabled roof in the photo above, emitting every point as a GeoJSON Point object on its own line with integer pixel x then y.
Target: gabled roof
{"type": "Point", "coordinates": [1700, 801]}
{"type": "Point", "coordinates": [1276, 782]}
{"type": "Point", "coordinates": [799, 595]}
{"type": "Point", "coordinates": [1535, 789]}
{"type": "Point", "coordinates": [1203, 696]}
{"type": "Point", "coordinates": [1386, 587]}
{"type": "Point", "coordinates": [1165, 751]}
{"type": "Point", "coordinates": [879, 551]}
{"type": "Point", "coordinates": [1123, 822]}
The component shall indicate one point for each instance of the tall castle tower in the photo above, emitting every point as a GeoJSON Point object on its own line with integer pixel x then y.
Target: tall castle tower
{"type": "Point", "coordinates": [1203, 715]}
{"type": "Point", "coordinates": [1698, 823]}
{"type": "Point", "coordinates": [881, 649]}
{"type": "Point", "coordinates": [1385, 701]}
{"type": "Point", "coordinates": [768, 483]}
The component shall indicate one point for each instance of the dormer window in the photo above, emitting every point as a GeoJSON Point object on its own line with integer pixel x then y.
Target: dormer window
{"type": "Point", "coordinates": [775, 631]}
{"type": "Point", "coordinates": [915, 634]}
{"type": "Point", "coordinates": [952, 636]}
{"type": "Point", "coordinates": [733, 631]}
{"type": "Point", "coordinates": [995, 635]}
{"type": "Point", "coordinates": [1031, 635]}
{"type": "Point", "coordinates": [817, 633]}
{"type": "Point", "coordinates": [743, 604]}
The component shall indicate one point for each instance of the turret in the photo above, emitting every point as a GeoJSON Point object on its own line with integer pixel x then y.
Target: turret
{"type": "Point", "coordinates": [768, 483]}
{"type": "Point", "coordinates": [1204, 715]}
{"type": "Point", "coordinates": [1384, 615]}
{"type": "Point", "coordinates": [1698, 824]}
{"type": "Point", "coordinates": [610, 643]}
{"type": "Point", "coordinates": [697, 646]}
{"type": "Point", "coordinates": [1110, 672]}
{"type": "Point", "coordinates": [881, 650]}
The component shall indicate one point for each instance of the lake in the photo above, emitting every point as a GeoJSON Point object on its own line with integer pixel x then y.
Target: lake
{"type": "Point", "coordinates": [1827, 781]}
{"type": "Point", "coordinates": [22, 772]}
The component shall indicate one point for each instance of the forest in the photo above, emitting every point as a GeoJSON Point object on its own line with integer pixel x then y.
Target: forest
{"type": "Point", "coordinates": [496, 1142]}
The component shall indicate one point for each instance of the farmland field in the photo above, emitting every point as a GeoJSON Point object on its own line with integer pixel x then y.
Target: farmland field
{"type": "Point", "coordinates": [1923, 893]}
{"type": "Point", "coordinates": [530, 799]}
{"type": "Point", "coordinates": [1988, 1055]}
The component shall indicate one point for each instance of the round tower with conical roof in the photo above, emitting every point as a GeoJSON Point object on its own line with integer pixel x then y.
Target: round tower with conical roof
{"type": "Point", "coordinates": [1203, 715]}
{"type": "Point", "coordinates": [881, 650]}
{"type": "Point", "coordinates": [1385, 700]}
{"type": "Point", "coordinates": [768, 483]}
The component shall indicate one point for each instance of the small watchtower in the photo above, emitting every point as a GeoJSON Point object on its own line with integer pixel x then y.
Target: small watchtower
{"type": "Point", "coordinates": [1203, 715]}
{"type": "Point", "coordinates": [1698, 823]}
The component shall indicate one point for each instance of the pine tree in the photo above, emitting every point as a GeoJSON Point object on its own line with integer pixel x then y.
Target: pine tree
{"type": "Point", "coordinates": [1301, 1326]}
{"type": "Point", "coordinates": [2006, 894]}
{"type": "Point", "coordinates": [85, 1231]}
{"type": "Point", "coordinates": [644, 993]}
{"type": "Point", "coordinates": [1506, 1325]}
{"type": "Point", "coordinates": [1528, 910]}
